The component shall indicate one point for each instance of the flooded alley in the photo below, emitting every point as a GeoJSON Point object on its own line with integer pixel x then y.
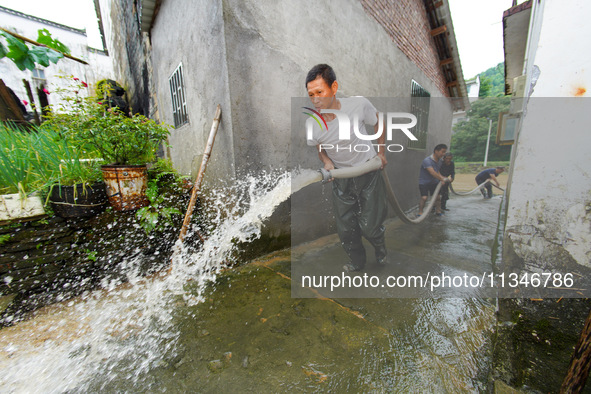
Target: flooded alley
{"type": "Point", "coordinates": [249, 334]}
{"type": "Point", "coordinates": [308, 249]}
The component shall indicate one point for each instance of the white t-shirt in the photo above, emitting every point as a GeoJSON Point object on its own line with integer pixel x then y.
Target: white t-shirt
{"type": "Point", "coordinates": [353, 151]}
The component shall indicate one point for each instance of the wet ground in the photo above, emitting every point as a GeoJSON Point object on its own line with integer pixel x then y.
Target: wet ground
{"type": "Point", "coordinates": [250, 335]}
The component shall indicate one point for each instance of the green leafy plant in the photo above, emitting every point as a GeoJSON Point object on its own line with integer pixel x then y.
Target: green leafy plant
{"type": "Point", "coordinates": [116, 138]}
{"type": "Point", "coordinates": [91, 255]}
{"type": "Point", "coordinates": [156, 215]}
{"type": "Point", "coordinates": [163, 167]}
{"type": "Point", "coordinates": [44, 37]}
{"type": "Point", "coordinates": [124, 140]}
{"type": "Point", "coordinates": [4, 238]}
{"type": "Point", "coordinates": [60, 160]}
{"type": "Point", "coordinates": [16, 161]}
{"type": "Point", "coordinates": [25, 57]}
{"type": "Point", "coordinates": [33, 159]}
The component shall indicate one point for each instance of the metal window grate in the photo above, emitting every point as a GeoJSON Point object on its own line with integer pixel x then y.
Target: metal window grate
{"type": "Point", "coordinates": [177, 94]}
{"type": "Point", "coordinates": [419, 107]}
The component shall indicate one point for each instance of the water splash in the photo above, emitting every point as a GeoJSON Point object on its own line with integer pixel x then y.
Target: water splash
{"type": "Point", "coordinates": [303, 178]}
{"type": "Point", "coordinates": [125, 329]}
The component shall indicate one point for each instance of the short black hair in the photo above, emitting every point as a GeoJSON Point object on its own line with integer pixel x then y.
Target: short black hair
{"type": "Point", "coordinates": [448, 154]}
{"type": "Point", "coordinates": [439, 147]}
{"type": "Point", "coordinates": [321, 70]}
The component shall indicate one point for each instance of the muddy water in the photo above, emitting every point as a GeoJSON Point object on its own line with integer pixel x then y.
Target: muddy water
{"type": "Point", "coordinates": [245, 333]}
{"type": "Point", "coordinates": [250, 335]}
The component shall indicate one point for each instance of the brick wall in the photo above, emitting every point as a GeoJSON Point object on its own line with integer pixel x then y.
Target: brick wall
{"type": "Point", "coordinates": [406, 23]}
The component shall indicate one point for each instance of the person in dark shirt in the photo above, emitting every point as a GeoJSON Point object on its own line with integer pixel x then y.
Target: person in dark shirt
{"type": "Point", "coordinates": [429, 177]}
{"type": "Point", "coordinates": [448, 169]}
{"type": "Point", "coordinates": [490, 173]}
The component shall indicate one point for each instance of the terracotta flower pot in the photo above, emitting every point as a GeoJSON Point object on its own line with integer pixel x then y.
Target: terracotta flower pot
{"type": "Point", "coordinates": [126, 186]}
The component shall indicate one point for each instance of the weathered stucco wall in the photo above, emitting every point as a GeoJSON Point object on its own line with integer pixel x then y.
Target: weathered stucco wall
{"type": "Point", "coordinates": [549, 215]}
{"type": "Point", "coordinates": [130, 50]}
{"type": "Point", "coordinates": [191, 33]}
{"type": "Point", "coordinates": [549, 211]}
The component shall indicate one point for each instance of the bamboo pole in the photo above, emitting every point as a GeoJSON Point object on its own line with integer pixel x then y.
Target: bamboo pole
{"type": "Point", "coordinates": [204, 161]}
{"type": "Point", "coordinates": [40, 45]}
{"type": "Point", "coordinates": [197, 184]}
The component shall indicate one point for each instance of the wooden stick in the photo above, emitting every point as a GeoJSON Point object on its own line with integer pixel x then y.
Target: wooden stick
{"type": "Point", "coordinates": [197, 185]}
{"type": "Point", "coordinates": [32, 100]}
{"type": "Point", "coordinates": [41, 45]}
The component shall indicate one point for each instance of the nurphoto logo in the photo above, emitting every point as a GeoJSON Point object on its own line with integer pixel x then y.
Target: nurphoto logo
{"type": "Point", "coordinates": [345, 129]}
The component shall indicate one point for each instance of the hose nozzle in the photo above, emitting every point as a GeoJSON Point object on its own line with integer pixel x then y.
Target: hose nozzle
{"type": "Point", "coordinates": [326, 177]}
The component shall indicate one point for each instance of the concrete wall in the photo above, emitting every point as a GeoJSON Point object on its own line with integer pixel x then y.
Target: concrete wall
{"type": "Point", "coordinates": [252, 57]}
{"type": "Point", "coordinates": [202, 51]}
{"type": "Point", "coordinates": [130, 49]}
{"type": "Point", "coordinates": [549, 211]}
{"type": "Point", "coordinates": [99, 66]}
{"type": "Point", "coordinates": [271, 46]}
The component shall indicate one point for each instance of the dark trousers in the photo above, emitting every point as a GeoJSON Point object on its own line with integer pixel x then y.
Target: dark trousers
{"type": "Point", "coordinates": [488, 193]}
{"type": "Point", "coordinates": [360, 210]}
{"type": "Point", "coordinates": [444, 195]}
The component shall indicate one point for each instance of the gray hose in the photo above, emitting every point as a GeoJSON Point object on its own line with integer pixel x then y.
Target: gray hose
{"type": "Point", "coordinates": [396, 206]}
{"type": "Point", "coordinates": [350, 172]}
{"type": "Point", "coordinates": [471, 191]}
{"type": "Point", "coordinates": [376, 163]}
{"type": "Point", "coordinates": [475, 189]}
{"type": "Point", "coordinates": [372, 165]}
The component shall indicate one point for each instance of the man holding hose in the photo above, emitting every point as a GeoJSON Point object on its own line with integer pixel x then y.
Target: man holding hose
{"type": "Point", "coordinates": [360, 202]}
{"type": "Point", "coordinates": [491, 174]}
{"type": "Point", "coordinates": [429, 177]}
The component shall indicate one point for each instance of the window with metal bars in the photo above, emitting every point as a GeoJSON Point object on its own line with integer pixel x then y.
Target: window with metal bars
{"type": "Point", "coordinates": [177, 94]}
{"type": "Point", "coordinates": [419, 107]}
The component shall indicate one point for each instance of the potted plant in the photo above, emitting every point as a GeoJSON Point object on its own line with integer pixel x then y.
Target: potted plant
{"type": "Point", "coordinates": [18, 180]}
{"type": "Point", "coordinates": [125, 143]}
{"type": "Point", "coordinates": [76, 188]}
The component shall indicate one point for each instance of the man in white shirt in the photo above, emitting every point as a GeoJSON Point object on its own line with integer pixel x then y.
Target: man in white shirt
{"type": "Point", "coordinates": [360, 202]}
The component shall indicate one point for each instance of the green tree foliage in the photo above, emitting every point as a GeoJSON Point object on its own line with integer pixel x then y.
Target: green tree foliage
{"type": "Point", "coordinates": [44, 37]}
{"type": "Point", "coordinates": [468, 143]}
{"type": "Point", "coordinates": [492, 81]}
{"type": "Point", "coordinates": [25, 57]}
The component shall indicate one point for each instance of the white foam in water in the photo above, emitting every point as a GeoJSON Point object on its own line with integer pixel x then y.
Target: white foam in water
{"type": "Point", "coordinates": [124, 330]}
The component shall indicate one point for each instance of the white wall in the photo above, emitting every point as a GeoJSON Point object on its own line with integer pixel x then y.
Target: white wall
{"type": "Point", "coordinates": [99, 67]}
{"type": "Point", "coordinates": [549, 211]}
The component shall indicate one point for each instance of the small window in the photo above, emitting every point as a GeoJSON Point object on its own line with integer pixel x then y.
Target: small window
{"type": "Point", "coordinates": [38, 73]}
{"type": "Point", "coordinates": [177, 93]}
{"type": "Point", "coordinates": [419, 107]}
